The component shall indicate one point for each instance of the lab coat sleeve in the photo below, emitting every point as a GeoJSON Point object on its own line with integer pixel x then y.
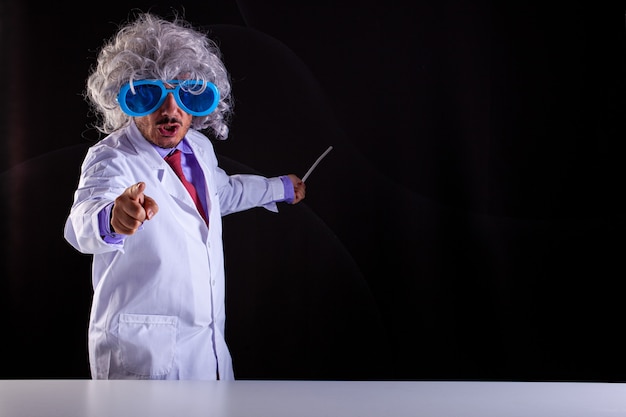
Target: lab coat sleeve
{"type": "Point", "coordinates": [95, 190]}
{"type": "Point", "coordinates": [240, 192]}
{"type": "Point", "coordinates": [82, 230]}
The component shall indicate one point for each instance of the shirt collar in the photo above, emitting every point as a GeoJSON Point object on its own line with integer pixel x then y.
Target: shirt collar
{"type": "Point", "coordinates": [182, 146]}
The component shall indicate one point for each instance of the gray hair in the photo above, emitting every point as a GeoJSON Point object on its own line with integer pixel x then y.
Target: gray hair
{"type": "Point", "coordinates": [154, 48]}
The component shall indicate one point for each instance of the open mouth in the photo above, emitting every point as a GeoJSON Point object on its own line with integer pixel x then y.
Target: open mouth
{"type": "Point", "coordinates": [168, 129]}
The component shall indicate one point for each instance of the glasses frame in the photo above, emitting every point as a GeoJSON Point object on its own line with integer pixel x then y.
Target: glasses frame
{"type": "Point", "coordinates": [126, 88]}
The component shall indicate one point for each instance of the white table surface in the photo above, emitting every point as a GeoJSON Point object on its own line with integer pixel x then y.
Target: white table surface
{"type": "Point", "coordinates": [87, 398]}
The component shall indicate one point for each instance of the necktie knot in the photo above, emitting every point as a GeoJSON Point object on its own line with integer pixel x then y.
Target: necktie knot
{"type": "Point", "coordinates": [173, 159]}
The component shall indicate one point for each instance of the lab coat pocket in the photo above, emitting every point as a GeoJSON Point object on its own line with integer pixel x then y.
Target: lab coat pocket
{"type": "Point", "coordinates": [147, 343]}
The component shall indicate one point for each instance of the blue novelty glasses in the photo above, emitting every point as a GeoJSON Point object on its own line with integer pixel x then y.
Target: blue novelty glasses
{"type": "Point", "coordinates": [149, 95]}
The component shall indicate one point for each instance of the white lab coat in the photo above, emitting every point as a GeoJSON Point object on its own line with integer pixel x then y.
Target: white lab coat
{"type": "Point", "coordinates": [158, 306]}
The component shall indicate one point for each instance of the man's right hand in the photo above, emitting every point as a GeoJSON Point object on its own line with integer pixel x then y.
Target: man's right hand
{"type": "Point", "coordinates": [131, 209]}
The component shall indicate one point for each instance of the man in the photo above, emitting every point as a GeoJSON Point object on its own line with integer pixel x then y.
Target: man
{"type": "Point", "coordinates": [158, 267]}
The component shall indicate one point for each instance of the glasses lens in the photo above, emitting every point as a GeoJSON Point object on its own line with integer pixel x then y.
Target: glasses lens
{"type": "Point", "coordinates": [194, 100]}
{"type": "Point", "coordinates": [144, 100]}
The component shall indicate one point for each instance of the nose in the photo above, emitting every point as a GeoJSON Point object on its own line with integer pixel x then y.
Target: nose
{"type": "Point", "coordinates": [169, 104]}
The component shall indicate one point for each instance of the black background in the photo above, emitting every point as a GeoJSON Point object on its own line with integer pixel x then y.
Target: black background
{"type": "Point", "coordinates": [468, 223]}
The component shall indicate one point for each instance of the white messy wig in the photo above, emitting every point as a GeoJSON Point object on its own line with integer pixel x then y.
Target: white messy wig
{"type": "Point", "coordinates": [153, 48]}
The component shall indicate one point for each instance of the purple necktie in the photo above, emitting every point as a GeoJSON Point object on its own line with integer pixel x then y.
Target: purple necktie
{"type": "Point", "coordinates": [174, 161]}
